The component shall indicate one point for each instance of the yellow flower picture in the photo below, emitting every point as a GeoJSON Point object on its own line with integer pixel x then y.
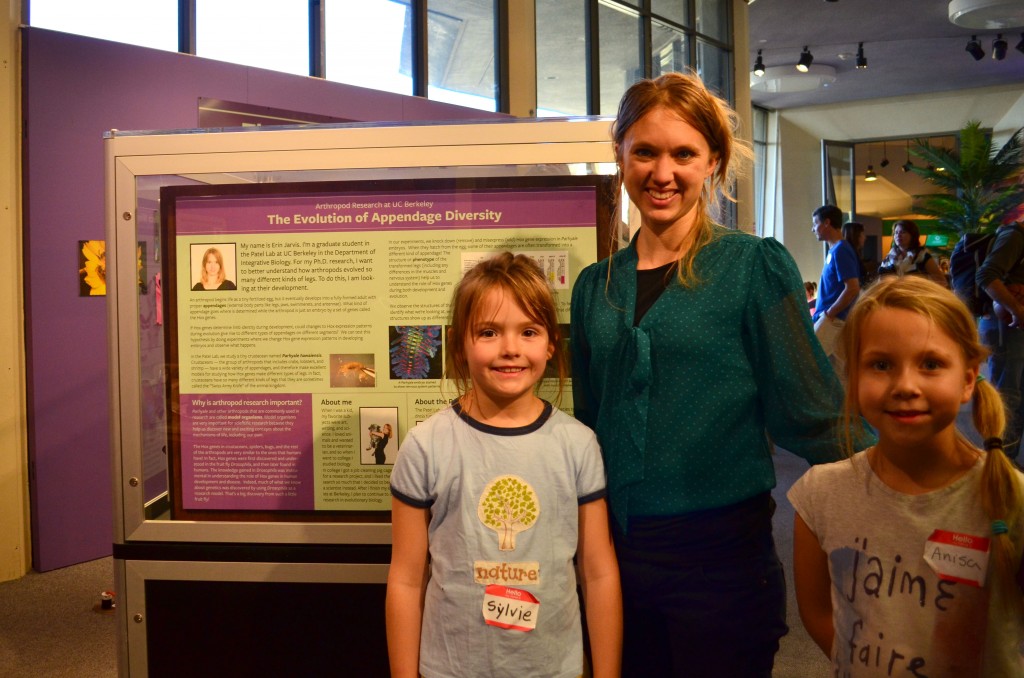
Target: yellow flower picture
{"type": "Point", "coordinates": [92, 268]}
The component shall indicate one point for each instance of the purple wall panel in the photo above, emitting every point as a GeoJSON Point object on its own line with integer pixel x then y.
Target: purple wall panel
{"type": "Point", "coordinates": [76, 89]}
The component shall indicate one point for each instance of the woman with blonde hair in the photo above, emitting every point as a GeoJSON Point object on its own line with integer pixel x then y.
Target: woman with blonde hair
{"type": "Point", "coordinates": [692, 352]}
{"type": "Point", "coordinates": [212, 274]}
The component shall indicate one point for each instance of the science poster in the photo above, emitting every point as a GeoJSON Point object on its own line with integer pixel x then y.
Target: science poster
{"type": "Point", "coordinates": [306, 329]}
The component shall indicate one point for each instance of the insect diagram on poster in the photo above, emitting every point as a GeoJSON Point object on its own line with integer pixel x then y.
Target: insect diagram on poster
{"type": "Point", "coordinates": [307, 331]}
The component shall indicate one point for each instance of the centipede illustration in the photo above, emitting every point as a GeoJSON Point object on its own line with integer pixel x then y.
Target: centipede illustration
{"type": "Point", "coordinates": [412, 350]}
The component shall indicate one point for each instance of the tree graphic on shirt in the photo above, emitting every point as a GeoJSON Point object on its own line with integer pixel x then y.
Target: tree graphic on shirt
{"type": "Point", "coordinates": [508, 505]}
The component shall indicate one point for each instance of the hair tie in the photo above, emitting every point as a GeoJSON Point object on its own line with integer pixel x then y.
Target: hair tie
{"type": "Point", "coordinates": [980, 378]}
{"type": "Point", "coordinates": [993, 444]}
{"type": "Point", "coordinates": [999, 527]}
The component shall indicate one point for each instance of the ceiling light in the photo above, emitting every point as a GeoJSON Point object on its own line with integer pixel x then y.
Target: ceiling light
{"type": "Point", "coordinates": [885, 160]}
{"type": "Point", "coordinates": [806, 58]}
{"type": "Point", "coordinates": [999, 48]}
{"type": "Point", "coordinates": [907, 165]}
{"type": "Point", "coordinates": [862, 61]}
{"type": "Point", "coordinates": [759, 65]}
{"type": "Point", "coordinates": [870, 174]}
{"type": "Point", "coordinates": [974, 48]}
{"type": "Point", "coordinates": [1020, 45]}
{"type": "Point", "coordinates": [784, 80]}
{"type": "Point", "coordinates": [986, 14]}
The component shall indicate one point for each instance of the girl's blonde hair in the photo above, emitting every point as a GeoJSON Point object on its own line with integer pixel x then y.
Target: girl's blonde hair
{"type": "Point", "coordinates": [685, 96]}
{"type": "Point", "coordinates": [220, 262]}
{"type": "Point", "coordinates": [522, 281]}
{"type": "Point", "coordinates": [1000, 491]}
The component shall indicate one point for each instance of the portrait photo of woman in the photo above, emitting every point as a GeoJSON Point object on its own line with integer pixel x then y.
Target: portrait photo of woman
{"type": "Point", "coordinates": [212, 273]}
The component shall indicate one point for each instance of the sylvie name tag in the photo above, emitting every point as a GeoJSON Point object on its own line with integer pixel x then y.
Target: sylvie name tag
{"type": "Point", "coordinates": [510, 608]}
{"type": "Point", "coordinates": [959, 557]}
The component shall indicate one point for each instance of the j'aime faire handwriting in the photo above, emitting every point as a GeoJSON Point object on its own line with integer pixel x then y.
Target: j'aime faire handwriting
{"type": "Point", "coordinates": [387, 218]}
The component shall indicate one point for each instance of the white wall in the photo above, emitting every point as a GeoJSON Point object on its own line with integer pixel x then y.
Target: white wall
{"type": "Point", "coordinates": [801, 132]}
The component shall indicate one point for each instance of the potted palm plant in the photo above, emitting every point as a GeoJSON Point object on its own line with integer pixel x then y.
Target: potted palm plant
{"type": "Point", "coordinates": [981, 183]}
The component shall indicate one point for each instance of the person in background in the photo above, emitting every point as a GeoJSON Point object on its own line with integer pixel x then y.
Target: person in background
{"type": "Point", "coordinates": [840, 277]}
{"type": "Point", "coordinates": [923, 507]}
{"type": "Point", "coordinates": [811, 288]}
{"type": "Point", "coordinates": [839, 284]}
{"type": "Point", "coordinates": [853, 233]}
{"type": "Point", "coordinates": [908, 256]}
{"type": "Point", "coordinates": [692, 352]}
{"type": "Point", "coordinates": [493, 497]}
{"type": "Point", "coordinates": [1001, 275]}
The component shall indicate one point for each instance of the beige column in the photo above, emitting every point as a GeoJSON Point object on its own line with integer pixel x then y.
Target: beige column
{"type": "Point", "coordinates": [15, 551]}
{"type": "Point", "coordinates": [741, 76]}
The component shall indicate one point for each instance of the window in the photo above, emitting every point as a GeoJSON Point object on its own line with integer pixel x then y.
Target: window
{"type": "Point", "coordinates": [669, 49]}
{"type": "Point", "coordinates": [461, 53]}
{"type": "Point", "coordinates": [367, 43]}
{"type": "Point", "coordinates": [621, 63]}
{"type": "Point", "coordinates": [275, 37]}
{"type": "Point", "coordinates": [673, 10]}
{"type": "Point", "coordinates": [759, 118]}
{"type": "Point", "coordinates": [561, 57]}
{"type": "Point", "coordinates": [153, 23]}
{"type": "Point", "coordinates": [588, 51]}
{"type": "Point", "coordinates": [621, 41]}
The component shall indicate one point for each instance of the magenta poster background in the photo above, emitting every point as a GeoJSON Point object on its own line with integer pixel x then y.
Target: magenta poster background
{"type": "Point", "coordinates": [247, 452]}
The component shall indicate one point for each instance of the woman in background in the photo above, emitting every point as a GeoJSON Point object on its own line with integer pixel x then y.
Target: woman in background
{"type": "Point", "coordinates": [853, 233]}
{"type": "Point", "coordinates": [908, 256]}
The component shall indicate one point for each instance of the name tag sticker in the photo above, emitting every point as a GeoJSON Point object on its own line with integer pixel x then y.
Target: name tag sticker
{"type": "Point", "coordinates": [510, 608]}
{"type": "Point", "coordinates": [958, 557]}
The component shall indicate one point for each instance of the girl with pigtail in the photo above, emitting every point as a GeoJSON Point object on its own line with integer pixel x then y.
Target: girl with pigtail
{"type": "Point", "coordinates": [907, 557]}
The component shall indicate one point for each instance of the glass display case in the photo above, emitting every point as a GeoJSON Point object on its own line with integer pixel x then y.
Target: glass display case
{"type": "Point", "coordinates": [277, 300]}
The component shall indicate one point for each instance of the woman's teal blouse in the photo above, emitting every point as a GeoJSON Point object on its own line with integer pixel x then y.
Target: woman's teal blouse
{"type": "Point", "coordinates": [687, 405]}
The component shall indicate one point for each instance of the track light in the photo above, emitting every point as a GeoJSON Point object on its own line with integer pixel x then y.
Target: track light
{"type": "Point", "coordinates": [806, 58]}
{"type": "Point", "coordinates": [759, 65]}
{"type": "Point", "coordinates": [999, 48]}
{"type": "Point", "coordinates": [870, 174]}
{"type": "Point", "coordinates": [1020, 45]}
{"type": "Point", "coordinates": [974, 48]}
{"type": "Point", "coordinates": [907, 165]}
{"type": "Point", "coordinates": [862, 61]}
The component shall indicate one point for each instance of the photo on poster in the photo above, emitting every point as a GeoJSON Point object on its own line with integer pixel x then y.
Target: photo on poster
{"type": "Point", "coordinates": [213, 267]}
{"type": "Point", "coordinates": [415, 351]}
{"type": "Point", "coordinates": [353, 370]}
{"type": "Point", "coordinates": [92, 268]}
{"type": "Point", "coordinates": [378, 440]}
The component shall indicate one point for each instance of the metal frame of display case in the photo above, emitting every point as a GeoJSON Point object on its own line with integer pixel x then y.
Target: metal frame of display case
{"type": "Point", "coordinates": [149, 545]}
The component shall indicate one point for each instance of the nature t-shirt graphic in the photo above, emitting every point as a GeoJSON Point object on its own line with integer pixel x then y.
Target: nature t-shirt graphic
{"type": "Point", "coordinates": [508, 505]}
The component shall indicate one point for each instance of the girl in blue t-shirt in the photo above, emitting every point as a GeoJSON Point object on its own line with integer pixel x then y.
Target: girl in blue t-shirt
{"type": "Point", "coordinates": [492, 499]}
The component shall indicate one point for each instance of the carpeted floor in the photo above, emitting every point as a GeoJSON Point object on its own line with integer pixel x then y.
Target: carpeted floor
{"type": "Point", "coordinates": [51, 625]}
